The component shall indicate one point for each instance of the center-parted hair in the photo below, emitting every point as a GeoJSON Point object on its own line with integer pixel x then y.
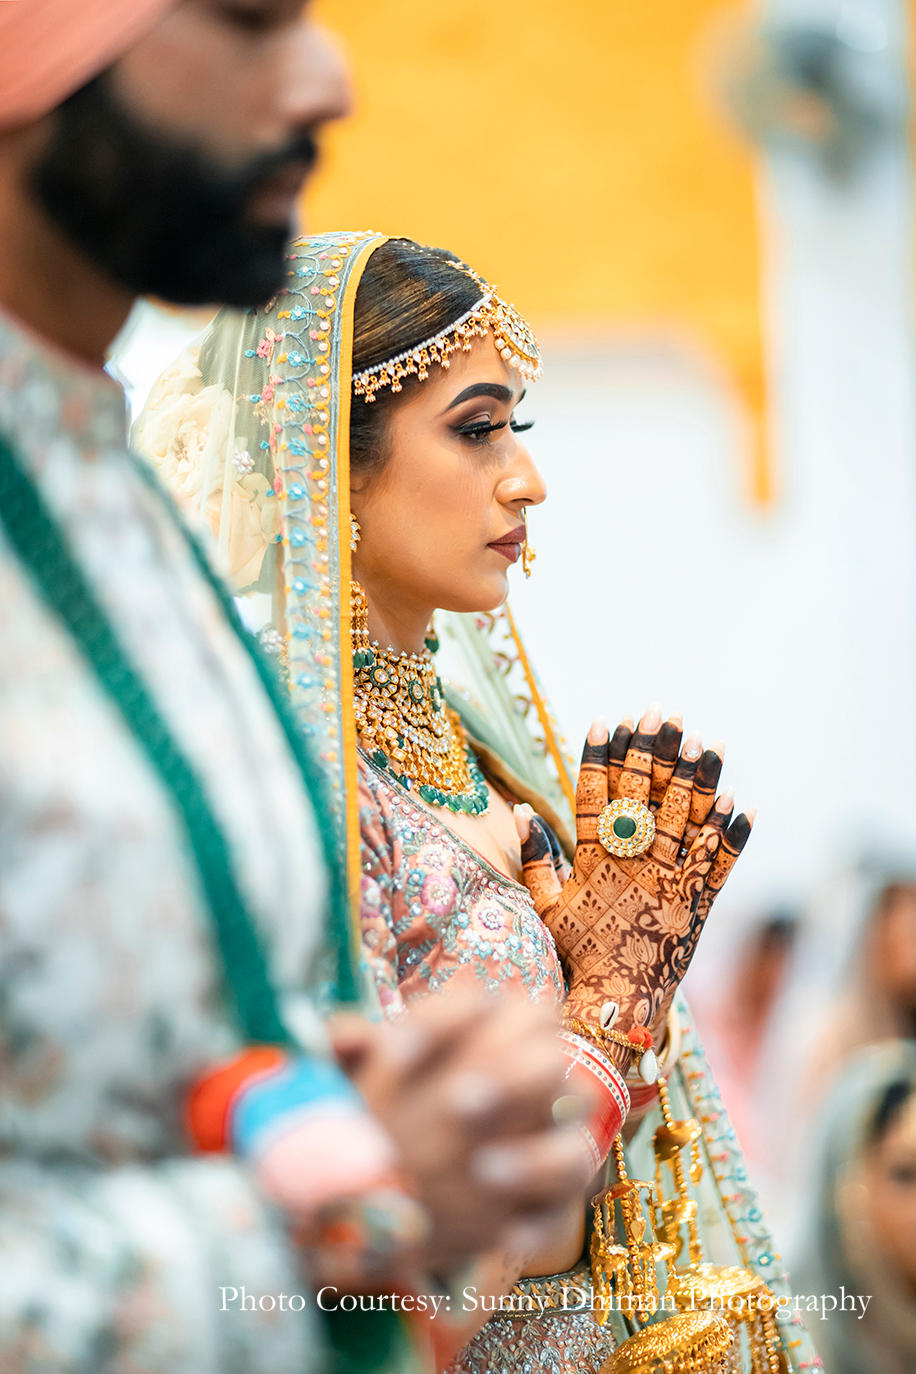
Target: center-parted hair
{"type": "Point", "coordinates": [407, 293]}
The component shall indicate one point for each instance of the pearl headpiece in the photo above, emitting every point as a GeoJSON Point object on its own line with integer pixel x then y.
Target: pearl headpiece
{"type": "Point", "coordinates": [516, 344]}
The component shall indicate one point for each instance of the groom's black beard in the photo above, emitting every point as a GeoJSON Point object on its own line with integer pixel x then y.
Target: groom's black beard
{"type": "Point", "coordinates": [156, 216]}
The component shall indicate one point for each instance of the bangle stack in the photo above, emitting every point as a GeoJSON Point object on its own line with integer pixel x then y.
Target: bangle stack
{"type": "Point", "coordinates": [592, 1076]}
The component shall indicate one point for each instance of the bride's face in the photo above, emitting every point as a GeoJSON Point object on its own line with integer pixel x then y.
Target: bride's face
{"type": "Point", "coordinates": [441, 523]}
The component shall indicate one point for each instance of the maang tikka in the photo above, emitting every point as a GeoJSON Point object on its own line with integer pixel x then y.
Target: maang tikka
{"type": "Point", "coordinates": [514, 339]}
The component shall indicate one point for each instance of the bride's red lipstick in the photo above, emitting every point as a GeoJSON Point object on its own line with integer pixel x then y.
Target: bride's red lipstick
{"type": "Point", "coordinates": [510, 545]}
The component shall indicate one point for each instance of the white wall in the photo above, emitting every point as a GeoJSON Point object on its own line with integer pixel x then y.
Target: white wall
{"type": "Point", "coordinates": [792, 634]}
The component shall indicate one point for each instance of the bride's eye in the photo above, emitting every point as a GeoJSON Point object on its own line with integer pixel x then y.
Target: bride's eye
{"type": "Point", "coordinates": [479, 431]}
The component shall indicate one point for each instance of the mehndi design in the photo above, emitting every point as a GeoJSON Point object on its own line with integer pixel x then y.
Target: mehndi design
{"type": "Point", "coordinates": [627, 928]}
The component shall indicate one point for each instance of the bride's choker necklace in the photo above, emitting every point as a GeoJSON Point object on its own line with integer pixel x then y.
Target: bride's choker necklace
{"type": "Point", "coordinates": [404, 725]}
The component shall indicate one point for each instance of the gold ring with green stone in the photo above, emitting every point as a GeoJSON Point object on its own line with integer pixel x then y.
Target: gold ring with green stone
{"type": "Point", "coordinates": [626, 828]}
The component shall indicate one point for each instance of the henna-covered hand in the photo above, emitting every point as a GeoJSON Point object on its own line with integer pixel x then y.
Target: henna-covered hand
{"type": "Point", "coordinates": [626, 929]}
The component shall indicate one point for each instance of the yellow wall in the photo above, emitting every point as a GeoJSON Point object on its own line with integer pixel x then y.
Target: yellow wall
{"type": "Point", "coordinates": [566, 149]}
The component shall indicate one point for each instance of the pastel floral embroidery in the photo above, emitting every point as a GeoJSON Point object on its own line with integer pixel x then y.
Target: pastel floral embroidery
{"type": "Point", "coordinates": [439, 894]}
{"type": "Point", "coordinates": [491, 917]}
{"type": "Point", "coordinates": [438, 912]}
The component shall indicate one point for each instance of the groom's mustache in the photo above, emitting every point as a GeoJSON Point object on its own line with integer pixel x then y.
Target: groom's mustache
{"type": "Point", "coordinates": [160, 216]}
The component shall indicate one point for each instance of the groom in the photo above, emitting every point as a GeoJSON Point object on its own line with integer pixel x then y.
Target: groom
{"type": "Point", "coordinates": [154, 147]}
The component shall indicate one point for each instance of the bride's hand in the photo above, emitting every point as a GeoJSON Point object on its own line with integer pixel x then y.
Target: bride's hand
{"type": "Point", "coordinates": [626, 929]}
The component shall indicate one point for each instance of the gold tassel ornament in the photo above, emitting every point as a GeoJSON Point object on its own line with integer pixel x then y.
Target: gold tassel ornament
{"type": "Point", "coordinates": [725, 1315]}
{"type": "Point", "coordinates": [689, 1343]}
{"type": "Point", "coordinates": [740, 1296]}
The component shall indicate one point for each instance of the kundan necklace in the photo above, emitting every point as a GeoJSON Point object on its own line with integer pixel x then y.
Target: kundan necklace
{"type": "Point", "coordinates": [404, 724]}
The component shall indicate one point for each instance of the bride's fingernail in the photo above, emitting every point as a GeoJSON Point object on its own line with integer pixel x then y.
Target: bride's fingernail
{"type": "Point", "coordinates": [677, 719]}
{"type": "Point", "coordinates": [598, 731]}
{"type": "Point", "coordinates": [751, 813]}
{"type": "Point", "coordinates": [652, 719]}
{"type": "Point", "coordinates": [726, 800]}
{"type": "Point", "coordinates": [522, 827]}
{"type": "Point", "coordinates": [718, 747]}
{"type": "Point", "coordinates": [693, 745]}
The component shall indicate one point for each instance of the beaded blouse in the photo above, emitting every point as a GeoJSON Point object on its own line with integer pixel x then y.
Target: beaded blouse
{"type": "Point", "coordinates": [435, 913]}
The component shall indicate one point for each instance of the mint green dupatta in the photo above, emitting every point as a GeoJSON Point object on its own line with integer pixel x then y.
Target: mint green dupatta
{"type": "Point", "coordinates": [249, 428]}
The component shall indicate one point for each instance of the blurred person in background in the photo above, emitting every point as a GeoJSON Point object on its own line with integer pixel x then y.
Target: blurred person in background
{"type": "Point", "coordinates": [851, 983]}
{"type": "Point", "coordinates": [733, 1000]}
{"type": "Point", "coordinates": [172, 898]}
{"type": "Point", "coordinates": [858, 1241]}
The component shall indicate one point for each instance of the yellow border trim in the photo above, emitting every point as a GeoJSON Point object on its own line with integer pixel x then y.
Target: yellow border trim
{"type": "Point", "coordinates": [544, 716]}
{"type": "Point", "coordinates": [348, 742]}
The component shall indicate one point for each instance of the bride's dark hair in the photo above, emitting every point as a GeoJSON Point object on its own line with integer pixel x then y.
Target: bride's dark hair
{"type": "Point", "coordinates": [408, 293]}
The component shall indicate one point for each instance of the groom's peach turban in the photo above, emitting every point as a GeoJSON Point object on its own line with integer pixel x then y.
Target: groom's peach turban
{"type": "Point", "coordinates": [49, 48]}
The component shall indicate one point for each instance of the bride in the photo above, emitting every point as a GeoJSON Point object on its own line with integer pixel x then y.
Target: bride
{"type": "Point", "coordinates": [355, 449]}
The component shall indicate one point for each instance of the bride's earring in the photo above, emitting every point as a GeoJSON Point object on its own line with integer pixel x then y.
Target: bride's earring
{"type": "Point", "coordinates": [355, 533]}
{"type": "Point", "coordinates": [528, 552]}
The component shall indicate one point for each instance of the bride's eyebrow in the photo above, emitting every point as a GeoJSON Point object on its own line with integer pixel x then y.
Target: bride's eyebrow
{"type": "Point", "coordinates": [494, 389]}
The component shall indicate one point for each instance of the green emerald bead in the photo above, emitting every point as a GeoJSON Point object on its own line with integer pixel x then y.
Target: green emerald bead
{"type": "Point", "coordinates": [624, 827]}
{"type": "Point", "coordinates": [380, 759]}
{"type": "Point", "coordinates": [428, 793]}
{"type": "Point", "coordinates": [453, 803]}
{"type": "Point", "coordinates": [405, 782]}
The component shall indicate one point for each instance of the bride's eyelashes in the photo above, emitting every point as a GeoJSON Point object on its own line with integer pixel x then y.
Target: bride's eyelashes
{"type": "Point", "coordinates": [478, 432]}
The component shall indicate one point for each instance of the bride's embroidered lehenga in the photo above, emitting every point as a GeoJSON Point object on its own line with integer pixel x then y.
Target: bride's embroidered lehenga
{"type": "Point", "coordinates": [250, 429]}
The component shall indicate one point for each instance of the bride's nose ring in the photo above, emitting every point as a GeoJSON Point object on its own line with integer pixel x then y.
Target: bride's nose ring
{"type": "Point", "coordinates": [528, 553]}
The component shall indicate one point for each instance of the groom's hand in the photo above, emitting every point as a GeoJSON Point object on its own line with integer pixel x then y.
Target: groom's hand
{"type": "Point", "coordinates": [465, 1085]}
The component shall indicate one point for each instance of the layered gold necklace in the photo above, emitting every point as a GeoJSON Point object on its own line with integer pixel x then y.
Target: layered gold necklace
{"type": "Point", "coordinates": [404, 724]}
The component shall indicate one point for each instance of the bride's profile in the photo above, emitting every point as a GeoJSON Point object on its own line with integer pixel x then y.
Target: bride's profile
{"type": "Point", "coordinates": [355, 449]}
